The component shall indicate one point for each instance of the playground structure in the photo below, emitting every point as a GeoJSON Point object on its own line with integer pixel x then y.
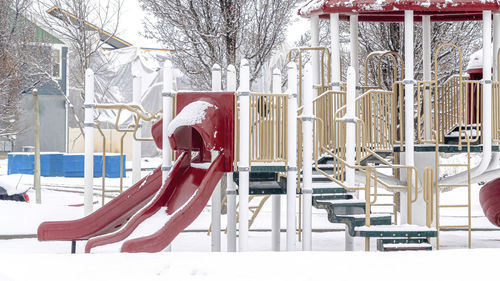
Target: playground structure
{"type": "Point", "coordinates": [332, 143]}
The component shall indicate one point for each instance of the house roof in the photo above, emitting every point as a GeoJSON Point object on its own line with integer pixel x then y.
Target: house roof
{"type": "Point", "coordinates": [105, 36]}
{"type": "Point", "coordinates": [393, 10]}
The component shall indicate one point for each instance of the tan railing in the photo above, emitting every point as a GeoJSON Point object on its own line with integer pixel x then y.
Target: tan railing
{"type": "Point", "coordinates": [495, 98]}
{"type": "Point", "coordinates": [325, 106]}
{"type": "Point", "coordinates": [325, 69]}
{"type": "Point", "coordinates": [377, 110]}
{"type": "Point", "coordinates": [449, 108]}
{"type": "Point", "coordinates": [429, 195]}
{"type": "Point", "coordinates": [381, 55]}
{"type": "Point", "coordinates": [426, 92]}
{"type": "Point", "coordinates": [268, 128]}
{"type": "Point", "coordinates": [372, 181]}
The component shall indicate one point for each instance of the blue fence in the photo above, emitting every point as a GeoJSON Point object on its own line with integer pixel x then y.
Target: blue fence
{"type": "Point", "coordinates": [67, 165]}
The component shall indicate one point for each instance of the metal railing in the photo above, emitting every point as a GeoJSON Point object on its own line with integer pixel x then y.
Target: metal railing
{"type": "Point", "coordinates": [439, 187]}
{"type": "Point", "coordinates": [426, 92]}
{"type": "Point", "coordinates": [371, 172]}
{"type": "Point", "coordinates": [268, 128]}
{"type": "Point", "coordinates": [377, 110]}
{"type": "Point", "coordinates": [495, 98]}
{"type": "Point", "coordinates": [139, 113]}
{"type": "Point", "coordinates": [381, 55]}
{"type": "Point", "coordinates": [325, 69]}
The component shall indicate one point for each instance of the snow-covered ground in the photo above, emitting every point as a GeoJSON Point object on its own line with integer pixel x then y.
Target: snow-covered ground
{"type": "Point", "coordinates": [29, 259]}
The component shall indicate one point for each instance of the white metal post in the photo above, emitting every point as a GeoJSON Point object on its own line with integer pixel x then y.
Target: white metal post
{"type": "Point", "coordinates": [291, 182]}
{"type": "Point", "coordinates": [231, 190]}
{"type": "Point", "coordinates": [167, 100]}
{"type": "Point", "coordinates": [315, 54]}
{"type": "Point", "coordinates": [307, 132]}
{"type": "Point", "coordinates": [353, 30]}
{"type": "Point", "coordinates": [350, 153]}
{"type": "Point", "coordinates": [496, 44]}
{"type": "Point", "coordinates": [216, 200]}
{"type": "Point", "coordinates": [335, 46]}
{"type": "Point", "coordinates": [136, 99]}
{"type": "Point", "coordinates": [426, 59]}
{"type": "Point", "coordinates": [89, 142]}
{"type": "Point", "coordinates": [244, 163]}
{"type": "Point", "coordinates": [167, 103]}
{"type": "Point", "coordinates": [409, 83]}
{"type": "Point", "coordinates": [276, 207]}
{"type": "Point", "coordinates": [487, 102]}
{"type": "Point", "coordinates": [354, 54]}
{"type": "Point", "coordinates": [36, 134]}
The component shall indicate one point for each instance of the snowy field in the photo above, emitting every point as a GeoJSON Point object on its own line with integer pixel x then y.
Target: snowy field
{"type": "Point", "coordinates": [29, 259]}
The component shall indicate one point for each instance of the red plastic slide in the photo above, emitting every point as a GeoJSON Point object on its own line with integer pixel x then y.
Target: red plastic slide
{"type": "Point", "coordinates": [489, 197]}
{"type": "Point", "coordinates": [109, 217]}
{"type": "Point", "coordinates": [204, 124]}
{"type": "Point", "coordinates": [185, 194]}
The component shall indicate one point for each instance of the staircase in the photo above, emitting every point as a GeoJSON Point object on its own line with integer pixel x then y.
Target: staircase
{"type": "Point", "coordinates": [374, 151]}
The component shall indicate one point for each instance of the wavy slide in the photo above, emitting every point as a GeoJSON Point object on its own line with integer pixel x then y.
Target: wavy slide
{"type": "Point", "coordinates": [109, 217]}
{"type": "Point", "coordinates": [180, 201]}
{"type": "Point", "coordinates": [128, 223]}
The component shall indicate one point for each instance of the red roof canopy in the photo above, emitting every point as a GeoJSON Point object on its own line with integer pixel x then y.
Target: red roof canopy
{"type": "Point", "coordinates": [393, 10]}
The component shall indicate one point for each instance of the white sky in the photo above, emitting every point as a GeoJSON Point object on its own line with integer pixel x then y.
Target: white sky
{"type": "Point", "coordinates": [133, 19]}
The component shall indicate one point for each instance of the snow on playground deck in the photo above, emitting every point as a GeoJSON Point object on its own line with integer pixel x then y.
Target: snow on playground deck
{"type": "Point", "coordinates": [29, 259]}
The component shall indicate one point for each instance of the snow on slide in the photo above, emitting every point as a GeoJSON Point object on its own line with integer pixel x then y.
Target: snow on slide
{"type": "Point", "coordinates": [107, 218]}
{"type": "Point", "coordinates": [182, 198]}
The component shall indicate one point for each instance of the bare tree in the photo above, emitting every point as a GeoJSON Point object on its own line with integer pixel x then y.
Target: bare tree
{"type": "Point", "coordinates": [21, 56]}
{"type": "Point", "coordinates": [77, 24]}
{"type": "Point", "coordinates": [205, 32]}
{"type": "Point", "coordinates": [390, 37]}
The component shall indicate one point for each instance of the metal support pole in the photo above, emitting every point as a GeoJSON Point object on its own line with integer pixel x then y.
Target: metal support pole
{"type": "Point", "coordinates": [231, 190]}
{"type": "Point", "coordinates": [426, 60]}
{"type": "Point", "coordinates": [307, 132]}
{"type": "Point", "coordinates": [291, 182]}
{"type": "Point", "coordinates": [136, 99]}
{"type": "Point", "coordinates": [487, 89]}
{"type": "Point", "coordinates": [89, 142]}
{"type": "Point", "coordinates": [409, 83]}
{"type": "Point", "coordinates": [350, 153]}
{"type": "Point", "coordinates": [315, 54]}
{"type": "Point", "coordinates": [244, 164]}
{"type": "Point", "coordinates": [353, 29]}
{"type": "Point", "coordinates": [167, 103]}
{"type": "Point", "coordinates": [335, 46]}
{"type": "Point", "coordinates": [496, 44]}
{"type": "Point", "coordinates": [276, 199]}
{"type": "Point", "coordinates": [216, 200]}
{"type": "Point", "coordinates": [36, 133]}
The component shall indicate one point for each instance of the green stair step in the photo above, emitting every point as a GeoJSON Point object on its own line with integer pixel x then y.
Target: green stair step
{"type": "Point", "coordinates": [399, 244]}
{"type": "Point", "coordinates": [394, 231]}
{"type": "Point", "coordinates": [358, 220]}
{"type": "Point", "coordinates": [339, 196]}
